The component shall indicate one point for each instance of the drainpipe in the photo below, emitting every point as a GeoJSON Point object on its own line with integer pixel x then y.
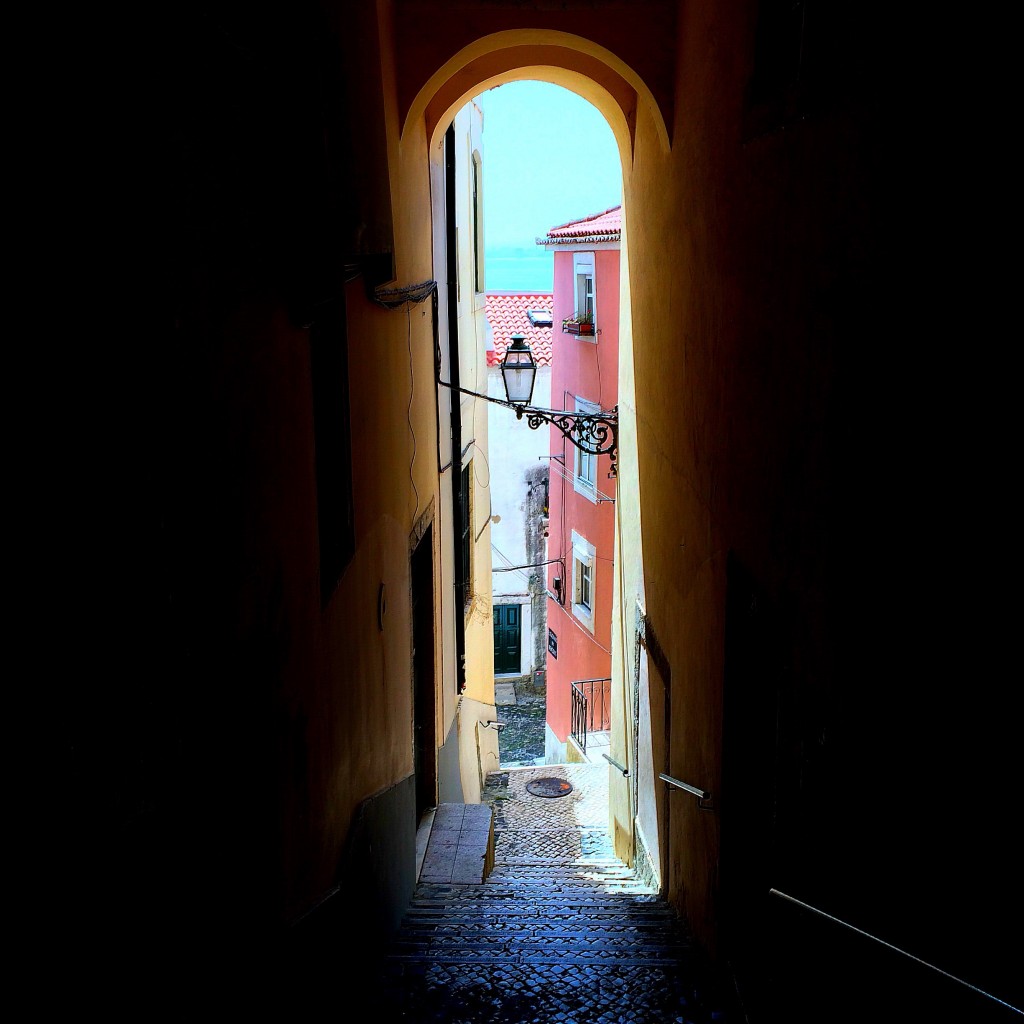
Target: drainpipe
{"type": "Point", "coordinates": [452, 280]}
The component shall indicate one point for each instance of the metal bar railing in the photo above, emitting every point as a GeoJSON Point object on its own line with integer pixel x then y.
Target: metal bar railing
{"type": "Point", "coordinates": [888, 945]}
{"type": "Point", "coordinates": [611, 760]}
{"type": "Point", "coordinates": [703, 795]}
{"type": "Point", "coordinates": [597, 702]}
{"type": "Point", "coordinates": [578, 727]}
{"type": "Point", "coordinates": [587, 706]}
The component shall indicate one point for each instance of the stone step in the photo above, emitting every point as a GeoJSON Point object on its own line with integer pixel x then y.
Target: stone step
{"type": "Point", "coordinates": [518, 917]}
{"type": "Point", "coordinates": [568, 930]}
{"type": "Point", "coordinates": [532, 873]}
{"type": "Point", "coordinates": [572, 924]}
{"type": "Point", "coordinates": [577, 954]}
{"type": "Point", "coordinates": [583, 877]}
{"type": "Point", "coordinates": [512, 905]}
{"type": "Point", "coordinates": [542, 902]}
{"type": "Point", "coordinates": [571, 935]}
{"type": "Point", "coordinates": [546, 940]}
{"type": "Point", "coordinates": [571, 869]}
{"type": "Point", "coordinates": [607, 866]}
{"type": "Point", "coordinates": [515, 902]}
{"type": "Point", "coordinates": [546, 857]}
{"type": "Point", "coordinates": [531, 887]}
{"type": "Point", "coordinates": [557, 931]}
{"type": "Point", "coordinates": [506, 948]}
{"type": "Point", "coordinates": [520, 923]}
{"type": "Point", "coordinates": [525, 991]}
{"type": "Point", "coordinates": [610, 886]}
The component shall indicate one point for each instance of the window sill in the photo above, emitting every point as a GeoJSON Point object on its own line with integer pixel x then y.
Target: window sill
{"type": "Point", "coordinates": [584, 487]}
{"type": "Point", "coordinates": [584, 616]}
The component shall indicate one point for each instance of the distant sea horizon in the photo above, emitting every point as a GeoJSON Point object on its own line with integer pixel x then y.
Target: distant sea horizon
{"type": "Point", "coordinates": [518, 270]}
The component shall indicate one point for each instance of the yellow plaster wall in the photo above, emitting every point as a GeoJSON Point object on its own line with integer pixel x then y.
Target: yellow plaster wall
{"type": "Point", "coordinates": [476, 746]}
{"type": "Point", "coordinates": [362, 717]}
{"type": "Point", "coordinates": [676, 338]}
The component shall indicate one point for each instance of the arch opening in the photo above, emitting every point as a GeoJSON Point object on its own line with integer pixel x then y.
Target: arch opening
{"type": "Point", "coordinates": [573, 62]}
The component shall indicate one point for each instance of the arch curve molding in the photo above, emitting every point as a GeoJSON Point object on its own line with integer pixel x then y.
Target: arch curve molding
{"type": "Point", "coordinates": [578, 64]}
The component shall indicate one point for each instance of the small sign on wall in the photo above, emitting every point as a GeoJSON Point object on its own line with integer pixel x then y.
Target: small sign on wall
{"type": "Point", "coordinates": [552, 643]}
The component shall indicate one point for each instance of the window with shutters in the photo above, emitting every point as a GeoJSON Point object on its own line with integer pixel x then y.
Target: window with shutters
{"type": "Point", "coordinates": [583, 554]}
{"type": "Point", "coordinates": [585, 475]}
{"type": "Point", "coordinates": [583, 293]}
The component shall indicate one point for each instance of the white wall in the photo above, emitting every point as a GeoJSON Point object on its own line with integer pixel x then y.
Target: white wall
{"type": "Point", "coordinates": [514, 450]}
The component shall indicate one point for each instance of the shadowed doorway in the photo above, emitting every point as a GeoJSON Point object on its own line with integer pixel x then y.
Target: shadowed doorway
{"type": "Point", "coordinates": [424, 738]}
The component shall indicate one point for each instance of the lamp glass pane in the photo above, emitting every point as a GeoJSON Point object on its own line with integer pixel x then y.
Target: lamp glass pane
{"type": "Point", "coordinates": [519, 381]}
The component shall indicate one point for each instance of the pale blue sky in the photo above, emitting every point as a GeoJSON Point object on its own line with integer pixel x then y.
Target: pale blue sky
{"type": "Point", "coordinates": [549, 157]}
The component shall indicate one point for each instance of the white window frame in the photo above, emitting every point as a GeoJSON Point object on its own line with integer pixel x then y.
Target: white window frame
{"type": "Point", "coordinates": [584, 292]}
{"type": "Point", "coordinates": [584, 556]}
{"type": "Point", "coordinates": [584, 478]}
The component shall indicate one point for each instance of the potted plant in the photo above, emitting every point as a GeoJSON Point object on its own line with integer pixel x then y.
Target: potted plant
{"type": "Point", "coordinates": [579, 323]}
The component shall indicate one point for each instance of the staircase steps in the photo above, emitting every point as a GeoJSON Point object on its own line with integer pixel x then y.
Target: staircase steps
{"type": "Point", "coordinates": [546, 939]}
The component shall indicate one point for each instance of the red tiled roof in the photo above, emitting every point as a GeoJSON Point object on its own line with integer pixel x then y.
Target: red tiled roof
{"type": "Point", "coordinates": [605, 227]}
{"type": "Point", "coordinates": [508, 314]}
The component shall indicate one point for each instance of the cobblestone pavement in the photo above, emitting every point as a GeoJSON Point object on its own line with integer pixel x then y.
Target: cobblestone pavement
{"type": "Point", "coordinates": [560, 932]}
{"type": "Point", "coordinates": [521, 742]}
{"type": "Point", "coordinates": [533, 828]}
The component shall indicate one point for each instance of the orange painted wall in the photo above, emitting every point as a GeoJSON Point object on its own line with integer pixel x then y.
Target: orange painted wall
{"type": "Point", "coordinates": [589, 370]}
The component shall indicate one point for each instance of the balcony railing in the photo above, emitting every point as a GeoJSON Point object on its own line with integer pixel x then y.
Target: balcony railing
{"type": "Point", "coordinates": [591, 708]}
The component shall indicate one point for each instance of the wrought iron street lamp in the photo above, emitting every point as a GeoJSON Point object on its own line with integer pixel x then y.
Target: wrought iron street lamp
{"type": "Point", "coordinates": [593, 433]}
{"type": "Point", "coordinates": [518, 371]}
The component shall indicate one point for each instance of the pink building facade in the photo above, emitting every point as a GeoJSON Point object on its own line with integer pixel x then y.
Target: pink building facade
{"type": "Point", "coordinates": [581, 536]}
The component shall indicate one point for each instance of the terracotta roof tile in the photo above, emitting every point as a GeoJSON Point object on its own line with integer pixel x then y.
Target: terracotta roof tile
{"type": "Point", "coordinates": [603, 226]}
{"type": "Point", "coordinates": [508, 314]}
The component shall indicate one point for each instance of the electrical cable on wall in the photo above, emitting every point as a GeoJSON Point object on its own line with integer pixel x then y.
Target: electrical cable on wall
{"type": "Point", "coordinates": [521, 573]}
{"type": "Point", "coordinates": [500, 553]}
{"type": "Point", "coordinates": [397, 298]}
{"type": "Point", "coordinates": [586, 632]}
{"type": "Point", "coordinates": [565, 474]}
{"type": "Point", "coordinates": [508, 564]}
{"type": "Point", "coordinates": [476, 444]}
{"type": "Point", "coordinates": [532, 565]}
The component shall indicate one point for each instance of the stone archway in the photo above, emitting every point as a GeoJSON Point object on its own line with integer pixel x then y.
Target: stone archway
{"type": "Point", "coordinates": [573, 62]}
{"type": "Point", "coordinates": [428, 104]}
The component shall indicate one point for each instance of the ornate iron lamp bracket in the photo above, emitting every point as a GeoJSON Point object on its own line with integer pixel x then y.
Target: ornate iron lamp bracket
{"type": "Point", "coordinates": [593, 433]}
{"type": "Point", "coordinates": [596, 433]}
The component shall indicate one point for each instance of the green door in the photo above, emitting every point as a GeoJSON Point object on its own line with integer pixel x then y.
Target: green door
{"type": "Point", "coordinates": [506, 639]}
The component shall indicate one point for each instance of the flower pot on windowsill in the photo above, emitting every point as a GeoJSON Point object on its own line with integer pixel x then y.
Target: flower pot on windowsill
{"type": "Point", "coordinates": [574, 327]}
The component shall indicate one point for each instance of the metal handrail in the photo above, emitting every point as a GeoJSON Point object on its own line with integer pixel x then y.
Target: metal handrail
{"type": "Point", "coordinates": [703, 795]}
{"type": "Point", "coordinates": [889, 945]}
{"type": "Point", "coordinates": [611, 760]}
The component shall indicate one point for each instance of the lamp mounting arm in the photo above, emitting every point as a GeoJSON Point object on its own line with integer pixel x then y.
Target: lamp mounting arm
{"type": "Point", "coordinates": [593, 433]}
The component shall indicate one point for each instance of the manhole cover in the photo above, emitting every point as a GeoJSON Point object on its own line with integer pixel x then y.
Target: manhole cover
{"type": "Point", "coordinates": [549, 787]}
